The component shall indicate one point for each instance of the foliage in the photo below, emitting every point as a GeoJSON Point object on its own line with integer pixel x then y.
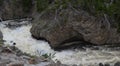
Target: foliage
{"type": "Point", "coordinates": [1, 2]}
{"type": "Point", "coordinates": [42, 5]}
{"type": "Point", "coordinates": [95, 7]}
{"type": "Point", "coordinates": [114, 12]}
{"type": "Point", "coordinates": [26, 4]}
{"type": "Point", "coordinates": [100, 7]}
{"type": "Point", "coordinates": [50, 56]}
{"type": "Point", "coordinates": [45, 55]}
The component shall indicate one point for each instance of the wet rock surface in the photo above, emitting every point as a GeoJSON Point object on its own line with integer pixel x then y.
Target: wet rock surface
{"type": "Point", "coordinates": [1, 35]}
{"type": "Point", "coordinates": [12, 56]}
{"type": "Point", "coordinates": [117, 64]}
{"type": "Point", "coordinates": [1, 38]}
{"type": "Point", "coordinates": [56, 64]}
{"type": "Point", "coordinates": [100, 64]}
{"type": "Point", "coordinates": [9, 57]}
{"type": "Point", "coordinates": [16, 23]}
{"type": "Point", "coordinates": [73, 28]}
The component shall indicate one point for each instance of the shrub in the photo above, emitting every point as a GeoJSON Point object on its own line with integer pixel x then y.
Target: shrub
{"type": "Point", "coordinates": [26, 4]}
{"type": "Point", "coordinates": [95, 7]}
{"type": "Point", "coordinates": [42, 5]}
{"type": "Point", "coordinates": [1, 2]}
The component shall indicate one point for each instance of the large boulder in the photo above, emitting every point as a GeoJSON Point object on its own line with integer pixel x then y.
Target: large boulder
{"type": "Point", "coordinates": [72, 27]}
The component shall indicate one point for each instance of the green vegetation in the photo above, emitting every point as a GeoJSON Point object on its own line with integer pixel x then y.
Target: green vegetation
{"type": "Point", "coordinates": [100, 7]}
{"type": "Point", "coordinates": [49, 56]}
{"type": "Point", "coordinates": [1, 2]}
{"type": "Point", "coordinates": [95, 7]}
{"type": "Point", "coordinates": [26, 4]}
{"type": "Point", "coordinates": [42, 5]}
{"type": "Point", "coordinates": [114, 12]}
{"type": "Point", "coordinates": [46, 55]}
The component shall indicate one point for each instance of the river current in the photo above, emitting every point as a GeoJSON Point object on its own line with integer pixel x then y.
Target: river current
{"type": "Point", "coordinates": [22, 37]}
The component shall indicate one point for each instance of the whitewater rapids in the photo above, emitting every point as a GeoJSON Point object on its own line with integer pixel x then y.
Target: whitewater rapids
{"type": "Point", "coordinates": [22, 37]}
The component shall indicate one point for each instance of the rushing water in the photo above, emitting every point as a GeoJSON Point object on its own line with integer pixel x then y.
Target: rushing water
{"type": "Point", "coordinates": [22, 37]}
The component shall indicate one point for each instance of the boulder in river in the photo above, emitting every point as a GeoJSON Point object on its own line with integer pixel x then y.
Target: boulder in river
{"type": "Point", "coordinates": [71, 28]}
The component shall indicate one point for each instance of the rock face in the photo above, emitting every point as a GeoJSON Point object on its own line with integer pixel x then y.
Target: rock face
{"type": "Point", "coordinates": [71, 27]}
{"type": "Point", "coordinates": [11, 9]}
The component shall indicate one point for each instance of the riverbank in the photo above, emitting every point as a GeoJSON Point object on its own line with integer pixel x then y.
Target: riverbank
{"type": "Point", "coordinates": [12, 56]}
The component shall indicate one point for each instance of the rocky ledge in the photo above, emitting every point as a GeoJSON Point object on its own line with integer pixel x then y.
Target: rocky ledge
{"type": "Point", "coordinates": [12, 56]}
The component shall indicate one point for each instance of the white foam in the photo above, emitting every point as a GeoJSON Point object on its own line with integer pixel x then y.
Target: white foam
{"type": "Point", "coordinates": [22, 37]}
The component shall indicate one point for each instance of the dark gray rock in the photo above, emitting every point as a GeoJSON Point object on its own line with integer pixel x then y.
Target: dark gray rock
{"type": "Point", "coordinates": [107, 64]}
{"type": "Point", "coordinates": [1, 35]}
{"type": "Point", "coordinates": [117, 64]}
{"type": "Point", "coordinates": [71, 28]}
{"type": "Point", "coordinates": [1, 38]}
{"type": "Point", "coordinates": [100, 64]}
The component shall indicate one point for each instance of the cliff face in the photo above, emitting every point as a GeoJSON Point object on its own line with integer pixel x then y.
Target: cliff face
{"type": "Point", "coordinates": [12, 9]}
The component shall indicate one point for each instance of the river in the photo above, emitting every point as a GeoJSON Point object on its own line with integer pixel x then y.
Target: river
{"type": "Point", "coordinates": [22, 37]}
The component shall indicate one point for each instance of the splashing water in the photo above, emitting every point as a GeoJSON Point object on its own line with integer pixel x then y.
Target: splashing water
{"type": "Point", "coordinates": [22, 37]}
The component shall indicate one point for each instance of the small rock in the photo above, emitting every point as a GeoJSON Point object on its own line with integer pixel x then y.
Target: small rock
{"type": "Point", "coordinates": [25, 57]}
{"type": "Point", "coordinates": [107, 64]}
{"type": "Point", "coordinates": [80, 65]}
{"type": "Point", "coordinates": [32, 61]}
{"type": "Point", "coordinates": [117, 64]}
{"type": "Point", "coordinates": [58, 63]}
{"type": "Point", "coordinates": [74, 65]}
{"type": "Point", "coordinates": [14, 43]}
{"type": "Point", "coordinates": [100, 64]}
{"type": "Point", "coordinates": [6, 50]}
